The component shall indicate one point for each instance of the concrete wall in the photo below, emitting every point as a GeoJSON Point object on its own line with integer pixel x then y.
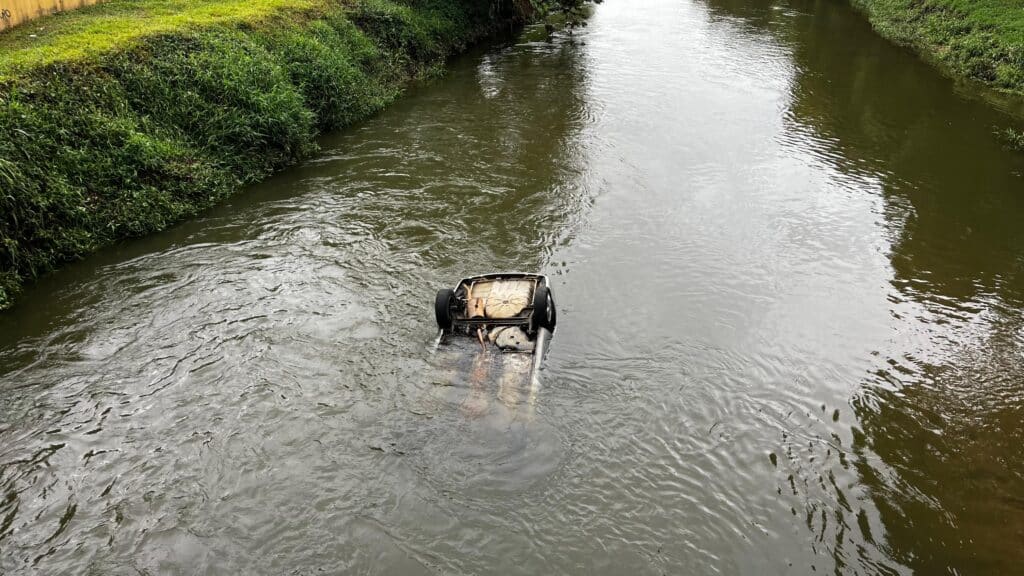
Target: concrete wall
{"type": "Point", "coordinates": [14, 12]}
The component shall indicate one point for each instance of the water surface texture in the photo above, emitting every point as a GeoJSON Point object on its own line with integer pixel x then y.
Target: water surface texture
{"type": "Point", "coordinates": [789, 263]}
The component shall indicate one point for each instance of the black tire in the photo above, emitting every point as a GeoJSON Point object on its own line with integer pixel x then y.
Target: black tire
{"type": "Point", "coordinates": [443, 305]}
{"type": "Point", "coordinates": [544, 314]}
{"type": "Point", "coordinates": [554, 312]}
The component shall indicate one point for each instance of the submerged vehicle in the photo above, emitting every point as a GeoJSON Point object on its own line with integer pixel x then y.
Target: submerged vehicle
{"type": "Point", "coordinates": [512, 312]}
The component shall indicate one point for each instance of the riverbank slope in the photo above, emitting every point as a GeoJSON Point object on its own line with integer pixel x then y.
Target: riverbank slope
{"type": "Point", "coordinates": [121, 119]}
{"type": "Point", "coordinates": [978, 39]}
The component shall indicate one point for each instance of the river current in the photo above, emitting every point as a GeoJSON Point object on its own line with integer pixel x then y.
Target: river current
{"type": "Point", "coordinates": [789, 263]}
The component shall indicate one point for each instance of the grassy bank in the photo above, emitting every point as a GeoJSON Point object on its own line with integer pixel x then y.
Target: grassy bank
{"type": "Point", "coordinates": [978, 39]}
{"type": "Point", "coordinates": [122, 119]}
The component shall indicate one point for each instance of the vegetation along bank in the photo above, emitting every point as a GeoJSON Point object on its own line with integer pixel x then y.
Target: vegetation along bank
{"type": "Point", "coordinates": [124, 118]}
{"type": "Point", "coordinates": [982, 40]}
{"type": "Point", "coordinates": [978, 39]}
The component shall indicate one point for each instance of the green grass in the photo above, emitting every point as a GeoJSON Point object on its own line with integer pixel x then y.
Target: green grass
{"type": "Point", "coordinates": [978, 39]}
{"type": "Point", "coordinates": [97, 29]}
{"type": "Point", "coordinates": [122, 119]}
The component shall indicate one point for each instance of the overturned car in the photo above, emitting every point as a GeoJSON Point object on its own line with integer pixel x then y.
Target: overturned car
{"type": "Point", "coordinates": [512, 312]}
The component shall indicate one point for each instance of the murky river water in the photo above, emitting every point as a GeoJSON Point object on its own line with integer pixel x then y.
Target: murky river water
{"type": "Point", "coordinates": [789, 261]}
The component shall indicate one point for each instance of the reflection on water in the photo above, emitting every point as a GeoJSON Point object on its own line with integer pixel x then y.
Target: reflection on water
{"type": "Point", "coordinates": [943, 404]}
{"type": "Point", "coordinates": [789, 275]}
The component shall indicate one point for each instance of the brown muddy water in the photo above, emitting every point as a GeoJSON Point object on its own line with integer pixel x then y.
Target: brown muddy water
{"type": "Point", "coordinates": [789, 260]}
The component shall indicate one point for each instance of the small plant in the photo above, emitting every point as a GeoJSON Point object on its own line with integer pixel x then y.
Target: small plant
{"type": "Point", "coordinates": [1011, 138]}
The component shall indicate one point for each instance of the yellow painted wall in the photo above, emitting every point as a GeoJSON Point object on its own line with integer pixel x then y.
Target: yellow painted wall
{"type": "Point", "coordinates": [14, 12]}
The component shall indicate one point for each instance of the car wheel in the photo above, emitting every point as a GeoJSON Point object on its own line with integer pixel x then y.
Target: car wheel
{"type": "Point", "coordinates": [544, 314]}
{"type": "Point", "coordinates": [443, 305]}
